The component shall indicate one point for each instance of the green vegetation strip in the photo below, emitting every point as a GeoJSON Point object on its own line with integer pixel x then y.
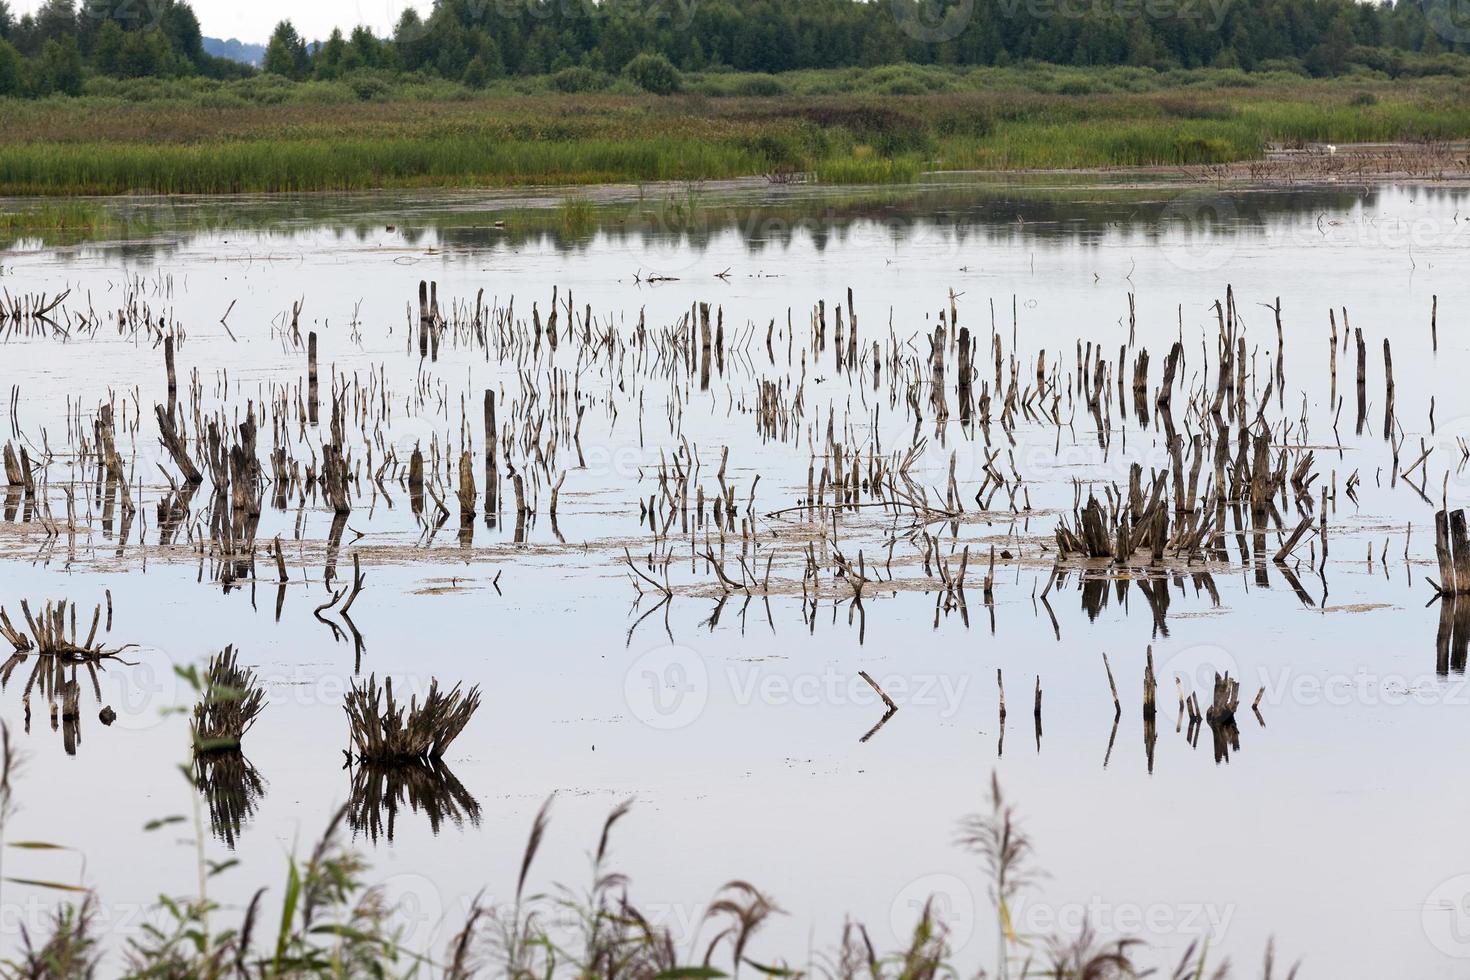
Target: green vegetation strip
{"type": "Point", "coordinates": [98, 145]}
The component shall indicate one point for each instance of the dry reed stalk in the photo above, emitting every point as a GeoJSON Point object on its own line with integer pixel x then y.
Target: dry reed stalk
{"type": "Point", "coordinates": [384, 731]}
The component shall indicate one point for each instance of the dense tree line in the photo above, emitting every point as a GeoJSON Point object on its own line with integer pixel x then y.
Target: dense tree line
{"type": "Point", "coordinates": [479, 39]}
{"type": "Point", "coordinates": [53, 50]}
{"type": "Point", "coordinates": [474, 41]}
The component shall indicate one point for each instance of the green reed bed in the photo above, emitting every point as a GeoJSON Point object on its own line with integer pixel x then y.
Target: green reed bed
{"type": "Point", "coordinates": [356, 164]}
{"type": "Point", "coordinates": [1025, 119]}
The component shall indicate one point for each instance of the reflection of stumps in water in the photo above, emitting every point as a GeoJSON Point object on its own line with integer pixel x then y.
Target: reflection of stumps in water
{"type": "Point", "coordinates": [1150, 688]}
{"type": "Point", "coordinates": [379, 790]}
{"type": "Point", "coordinates": [1453, 637]}
{"type": "Point", "coordinates": [704, 346]}
{"type": "Point", "coordinates": [839, 347]}
{"type": "Point", "coordinates": [1362, 378]}
{"type": "Point", "coordinates": [720, 340]}
{"type": "Point", "coordinates": [232, 790]}
{"type": "Point", "coordinates": [334, 546]}
{"type": "Point", "coordinates": [71, 715]}
{"type": "Point", "coordinates": [1225, 738]}
{"type": "Point", "coordinates": [1000, 744]}
{"type": "Point", "coordinates": [1150, 739]}
{"type": "Point", "coordinates": [936, 360]}
{"type": "Point", "coordinates": [312, 394]}
{"type": "Point", "coordinates": [555, 496]}
{"type": "Point", "coordinates": [1036, 712]}
{"type": "Point", "coordinates": [852, 332]}
{"type": "Point", "coordinates": [966, 374]}
{"type": "Point", "coordinates": [423, 319]}
{"type": "Point", "coordinates": [890, 708]}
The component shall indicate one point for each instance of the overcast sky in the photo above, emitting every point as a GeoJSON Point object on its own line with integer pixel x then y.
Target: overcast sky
{"type": "Point", "coordinates": [252, 20]}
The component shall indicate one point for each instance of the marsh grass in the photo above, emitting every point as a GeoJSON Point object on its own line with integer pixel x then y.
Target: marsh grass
{"type": "Point", "coordinates": [230, 701]}
{"type": "Point", "coordinates": [232, 789]}
{"type": "Point", "coordinates": [841, 125]}
{"type": "Point", "coordinates": [860, 169]}
{"type": "Point", "coordinates": [576, 216]}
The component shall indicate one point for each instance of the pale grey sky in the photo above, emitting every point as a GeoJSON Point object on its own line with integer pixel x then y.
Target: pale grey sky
{"type": "Point", "coordinates": [252, 20]}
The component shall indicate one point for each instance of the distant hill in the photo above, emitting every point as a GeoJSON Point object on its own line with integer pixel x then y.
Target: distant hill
{"type": "Point", "coordinates": [236, 50]}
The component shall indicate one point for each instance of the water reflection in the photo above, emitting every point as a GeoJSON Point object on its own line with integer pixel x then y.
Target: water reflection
{"type": "Point", "coordinates": [1453, 637]}
{"type": "Point", "coordinates": [380, 791]}
{"type": "Point", "coordinates": [232, 788]}
{"type": "Point", "coordinates": [55, 680]}
{"type": "Point", "coordinates": [676, 225]}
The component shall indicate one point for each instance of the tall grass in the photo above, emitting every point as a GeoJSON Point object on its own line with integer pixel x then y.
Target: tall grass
{"type": "Point", "coordinates": [830, 124]}
{"type": "Point", "coordinates": [868, 170]}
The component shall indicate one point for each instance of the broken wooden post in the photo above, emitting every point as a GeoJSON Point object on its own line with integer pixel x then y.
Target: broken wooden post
{"type": "Point", "coordinates": [311, 382]}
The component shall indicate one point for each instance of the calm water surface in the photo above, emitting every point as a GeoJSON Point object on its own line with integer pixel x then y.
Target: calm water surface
{"type": "Point", "coordinates": [1335, 826]}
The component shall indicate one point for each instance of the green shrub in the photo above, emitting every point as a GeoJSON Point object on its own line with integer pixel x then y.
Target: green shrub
{"type": "Point", "coordinates": [369, 86]}
{"type": "Point", "coordinates": [761, 86]}
{"type": "Point", "coordinates": [777, 149]}
{"type": "Point", "coordinates": [1199, 149]}
{"type": "Point", "coordinates": [654, 73]}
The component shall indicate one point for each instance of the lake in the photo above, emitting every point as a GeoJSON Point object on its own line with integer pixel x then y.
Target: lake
{"type": "Point", "coordinates": [633, 644]}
